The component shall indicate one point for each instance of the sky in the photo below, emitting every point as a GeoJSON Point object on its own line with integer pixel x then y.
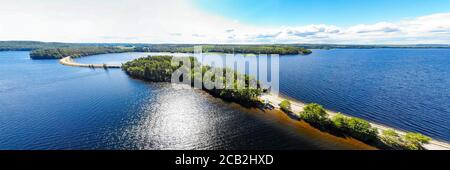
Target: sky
{"type": "Point", "coordinates": [227, 21]}
{"type": "Point", "coordinates": [334, 12]}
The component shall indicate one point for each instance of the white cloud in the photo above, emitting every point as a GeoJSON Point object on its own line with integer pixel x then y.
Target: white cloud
{"type": "Point", "coordinates": [178, 21]}
{"type": "Point", "coordinates": [382, 27]}
{"type": "Point", "coordinates": [426, 29]}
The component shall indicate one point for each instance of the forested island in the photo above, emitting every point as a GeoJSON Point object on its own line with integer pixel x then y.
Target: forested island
{"type": "Point", "coordinates": [229, 49]}
{"type": "Point", "coordinates": [80, 51]}
{"type": "Point", "coordinates": [59, 53]}
{"type": "Point", "coordinates": [160, 69]}
{"type": "Point", "coordinates": [74, 52]}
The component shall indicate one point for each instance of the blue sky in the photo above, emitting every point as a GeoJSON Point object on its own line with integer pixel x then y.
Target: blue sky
{"type": "Point", "coordinates": [334, 12]}
{"type": "Point", "coordinates": [228, 21]}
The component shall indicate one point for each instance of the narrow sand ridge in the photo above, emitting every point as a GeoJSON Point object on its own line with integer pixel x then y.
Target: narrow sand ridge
{"type": "Point", "coordinates": [68, 61]}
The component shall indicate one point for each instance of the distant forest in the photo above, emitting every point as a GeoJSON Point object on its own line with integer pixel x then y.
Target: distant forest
{"type": "Point", "coordinates": [247, 49]}
{"type": "Point", "coordinates": [43, 50]}
{"type": "Point", "coordinates": [33, 45]}
{"type": "Point", "coordinates": [59, 53]}
{"type": "Point", "coordinates": [55, 50]}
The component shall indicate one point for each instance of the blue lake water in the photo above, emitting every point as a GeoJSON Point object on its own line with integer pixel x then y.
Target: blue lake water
{"type": "Point", "coordinates": [407, 89]}
{"type": "Point", "coordinates": [404, 88]}
{"type": "Point", "coordinates": [44, 105]}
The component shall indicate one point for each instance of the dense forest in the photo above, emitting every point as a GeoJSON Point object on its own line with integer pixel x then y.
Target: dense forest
{"type": "Point", "coordinates": [28, 45]}
{"type": "Point", "coordinates": [34, 45]}
{"type": "Point", "coordinates": [160, 69]}
{"type": "Point", "coordinates": [188, 48]}
{"type": "Point", "coordinates": [59, 53]}
{"type": "Point", "coordinates": [362, 46]}
{"type": "Point", "coordinates": [80, 51]}
{"type": "Point", "coordinates": [247, 49]}
{"type": "Point", "coordinates": [55, 50]}
{"type": "Point", "coordinates": [256, 49]}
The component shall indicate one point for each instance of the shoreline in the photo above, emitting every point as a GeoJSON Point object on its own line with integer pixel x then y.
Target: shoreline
{"type": "Point", "coordinates": [307, 133]}
{"type": "Point", "coordinates": [68, 61]}
{"type": "Point", "coordinates": [314, 135]}
{"type": "Point", "coordinates": [297, 107]}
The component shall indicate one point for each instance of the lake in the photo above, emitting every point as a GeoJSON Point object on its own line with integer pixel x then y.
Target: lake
{"type": "Point", "coordinates": [45, 105]}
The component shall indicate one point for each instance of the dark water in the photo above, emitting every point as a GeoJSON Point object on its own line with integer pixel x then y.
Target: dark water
{"type": "Point", "coordinates": [45, 105]}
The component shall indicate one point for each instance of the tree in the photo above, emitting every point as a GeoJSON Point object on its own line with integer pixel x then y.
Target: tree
{"type": "Point", "coordinates": [285, 106]}
{"type": "Point", "coordinates": [160, 69]}
{"type": "Point", "coordinates": [415, 140]}
{"type": "Point", "coordinates": [355, 127]}
{"type": "Point", "coordinates": [314, 113]}
{"type": "Point", "coordinates": [361, 129]}
{"type": "Point", "coordinates": [74, 52]}
{"type": "Point", "coordinates": [340, 121]}
{"type": "Point", "coordinates": [392, 139]}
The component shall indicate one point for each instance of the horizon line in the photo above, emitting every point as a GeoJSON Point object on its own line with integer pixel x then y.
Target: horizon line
{"type": "Point", "coordinates": [174, 43]}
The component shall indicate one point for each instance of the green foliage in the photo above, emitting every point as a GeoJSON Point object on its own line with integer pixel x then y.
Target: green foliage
{"type": "Point", "coordinates": [31, 45]}
{"type": "Point", "coordinates": [315, 114]}
{"type": "Point", "coordinates": [188, 48]}
{"type": "Point", "coordinates": [160, 69]}
{"type": "Point", "coordinates": [340, 121]}
{"type": "Point", "coordinates": [392, 139]}
{"type": "Point", "coordinates": [362, 130]}
{"type": "Point", "coordinates": [43, 50]}
{"type": "Point", "coordinates": [355, 127]}
{"type": "Point", "coordinates": [244, 49]}
{"type": "Point", "coordinates": [59, 53]}
{"type": "Point", "coordinates": [285, 106]}
{"type": "Point", "coordinates": [415, 141]}
{"type": "Point", "coordinates": [410, 141]}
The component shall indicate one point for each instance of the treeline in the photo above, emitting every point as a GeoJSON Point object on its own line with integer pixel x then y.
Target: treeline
{"type": "Point", "coordinates": [80, 51]}
{"type": "Point", "coordinates": [257, 49]}
{"type": "Point", "coordinates": [28, 45]}
{"type": "Point", "coordinates": [160, 69]}
{"type": "Point", "coordinates": [35, 45]}
{"type": "Point", "coordinates": [341, 125]}
{"type": "Point", "coordinates": [59, 53]}
{"type": "Point", "coordinates": [188, 48]}
{"type": "Point", "coordinates": [245, 49]}
{"type": "Point", "coordinates": [54, 50]}
{"type": "Point", "coordinates": [350, 46]}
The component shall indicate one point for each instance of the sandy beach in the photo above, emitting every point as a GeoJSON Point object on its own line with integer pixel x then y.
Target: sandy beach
{"type": "Point", "coordinates": [68, 61]}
